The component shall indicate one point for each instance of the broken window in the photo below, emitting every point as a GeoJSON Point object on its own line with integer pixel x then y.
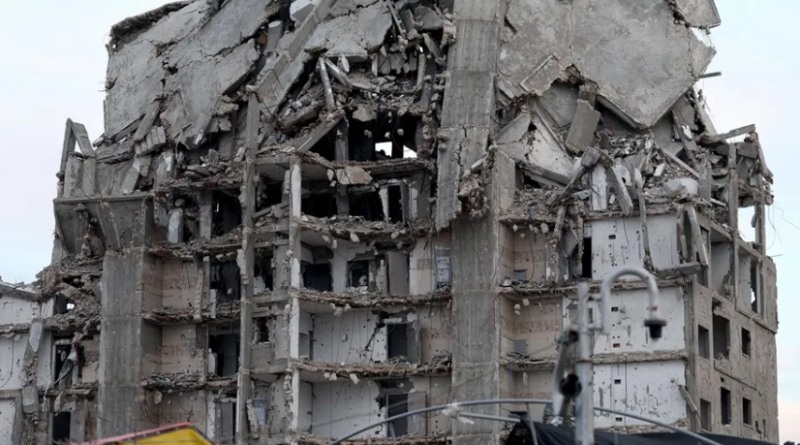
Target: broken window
{"type": "Point", "coordinates": [444, 277]}
{"type": "Point", "coordinates": [366, 204]}
{"type": "Point", "coordinates": [746, 342]}
{"type": "Point", "coordinates": [225, 281]}
{"type": "Point", "coordinates": [397, 404]}
{"type": "Point", "coordinates": [722, 336]}
{"type": "Point", "coordinates": [755, 286]}
{"type": "Point", "coordinates": [383, 135]}
{"type": "Point", "coordinates": [262, 330]}
{"type": "Point", "coordinates": [320, 205]}
{"type": "Point", "coordinates": [725, 406]}
{"type": "Point", "coordinates": [305, 344]}
{"type": "Point", "coordinates": [702, 342]}
{"type": "Point", "coordinates": [61, 363]}
{"type": "Point", "coordinates": [226, 419]}
{"type": "Point", "coordinates": [720, 264]}
{"type": "Point", "coordinates": [226, 212]}
{"type": "Point", "coordinates": [224, 346]}
{"type": "Point", "coordinates": [747, 412]}
{"type": "Point", "coordinates": [396, 203]}
{"type": "Point", "coordinates": [586, 259]}
{"type": "Point", "coordinates": [61, 427]}
{"type": "Point", "coordinates": [317, 277]}
{"type": "Point", "coordinates": [705, 415]}
{"type": "Point", "coordinates": [358, 273]}
{"type": "Point", "coordinates": [402, 337]}
{"type": "Point", "coordinates": [61, 305]}
{"type": "Point", "coordinates": [262, 273]}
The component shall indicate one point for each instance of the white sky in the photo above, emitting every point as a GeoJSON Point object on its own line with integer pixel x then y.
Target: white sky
{"type": "Point", "coordinates": [52, 66]}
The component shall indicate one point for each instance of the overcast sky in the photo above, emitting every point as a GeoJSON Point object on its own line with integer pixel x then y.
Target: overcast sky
{"type": "Point", "coordinates": [52, 66]}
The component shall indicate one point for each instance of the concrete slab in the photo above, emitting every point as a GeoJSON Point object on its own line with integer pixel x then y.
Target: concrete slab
{"type": "Point", "coordinates": [662, 59]}
{"type": "Point", "coordinates": [581, 132]}
{"type": "Point", "coordinates": [698, 13]}
{"type": "Point", "coordinates": [352, 35]}
{"type": "Point", "coordinates": [515, 130]}
{"type": "Point", "coordinates": [560, 101]}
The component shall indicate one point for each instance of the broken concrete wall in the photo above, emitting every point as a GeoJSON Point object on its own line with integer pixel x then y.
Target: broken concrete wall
{"type": "Point", "coordinates": [437, 390]}
{"type": "Point", "coordinates": [188, 406]}
{"type": "Point", "coordinates": [530, 328]}
{"type": "Point", "coordinates": [342, 406]}
{"type": "Point", "coordinates": [352, 337]}
{"type": "Point", "coordinates": [528, 384]}
{"type": "Point", "coordinates": [12, 360]}
{"type": "Point", "coordinates": [430, 264]}
{"type": "Point", "coordinates": [180, 352]}
{"type": "Point", "coordinates": [618, 242]}
{"type": "Point", "coordinates": [647, 389]}
{"type": "Point", "coordinates": [531, 254]}
{"type": "Point", "coordinates": [17, 310]}
{"type": "Point", "coordinates": [179, 283]}
{"type": "Point", "coordinates": [8, 421]}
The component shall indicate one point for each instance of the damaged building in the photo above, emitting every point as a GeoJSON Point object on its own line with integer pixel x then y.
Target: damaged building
{"type": "Point", "coordinates": [304, 217]}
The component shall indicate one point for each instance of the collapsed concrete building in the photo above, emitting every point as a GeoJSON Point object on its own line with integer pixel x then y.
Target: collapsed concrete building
{"type": "Point", "coordinates": [304, 217]}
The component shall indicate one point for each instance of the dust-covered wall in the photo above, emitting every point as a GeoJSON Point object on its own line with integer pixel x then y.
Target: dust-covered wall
{"type": "Point", "coordinates": [352, 337]}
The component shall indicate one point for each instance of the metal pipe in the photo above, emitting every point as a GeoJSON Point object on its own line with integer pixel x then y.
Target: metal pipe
{"type": "Point", "coordinates": [511, 401]}
{"type": "Point", "coordinates": [488, 417]}
{"type": "Point", "coordinates": [584, 428]}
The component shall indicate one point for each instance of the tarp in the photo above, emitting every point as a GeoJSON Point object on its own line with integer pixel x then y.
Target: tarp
{"type": "Point", "coordinates": [184, 433]}
{"type": "Point", "coordinates": [555, 435]}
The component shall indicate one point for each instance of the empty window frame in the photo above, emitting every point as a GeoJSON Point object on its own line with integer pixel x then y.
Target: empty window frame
{"type": "Point", "coordinates": [746, 342]}
{"type": "Point", "coordinates": [397, 404]}
{"type": "Point", "coordinates": [225, 348]}
{"type": "Point", "coordinates": [705, 415]}
{"type": "Point", "coordinates": [703, 342]}
{"type": "Point", "coordinates": [756, 301]}
{"type": "Point", "coordinates": [61, 427]}
{"type": "Point", "coordinates": [725, 406]}
{"type": "Point", "coordinates": [318, 277]}
{"type": "Point", "coordinates": [225, 281]}
{"type": "Point", "coordinates": [226, 211]}
{"type": "Point", "coordinates": [722, 336]}
{"type": "Point", "coordinates": [747, 411]}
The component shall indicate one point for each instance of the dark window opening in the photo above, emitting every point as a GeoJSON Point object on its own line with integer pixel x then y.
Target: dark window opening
{"type": "Point", "coordinates": [225, 348]}
{"type": "Point", "coordinates": [227, 418]}
{"type": "Point", "coordinates": [366, 205]}
{"type": "Point", "coordinates": [703, 342]}
{"type": "Point", "coordinates": [270, 194]}
{"type": "Point", "coordinates": [521, 275]}
{"type": "Point", "coordinates": [61, 427]}
{"type": "Point", "coordinates": [722, 337]}
{"type": "Point", "coordinates": [262, 330]}
{"type": "Point", "coordinates": [705, 415]}
{"type": "Point", "coordinates": [746, 342]}
{"type": "Point", "coordinates": [395, 204]}
{"type": "Point", "coordinates": [358, 273]}
{"type": "Point", "coordinates": [226, 212]}
{"type": "Point", "coordinates": [62, 353]}
{"type": "Point", "coordinates": [225, 281]}
{"type": "Point", "coordinates": [397, 404]}
{"type": "Point", "coordinates": [318, 277]}
{"type": "Point", "coordinates": [747, 412]}
{"type": "Point", "coordinates": [398, 340]}
{"type": "Point", "coordinates": [263, 274]}
{"type": "Point", "coordinates": [62, 305]}
{"type": "Point", "coordinates": [725, 404]}
{"type": "Point", "coordinates": [326, 147]}
{"type": "Point", "coordinates": [755, 287]}
{"type": "Point", "coordinates": [319, 205]}
{"type": "Point", "coordinates": [385, 137]}
{"type": "Point", "coordinates": [586, 259]}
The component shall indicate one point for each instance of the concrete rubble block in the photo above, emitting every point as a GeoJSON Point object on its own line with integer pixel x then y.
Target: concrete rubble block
{"type": "Point", "coordinates": [353, 35]}
{"type": "Point", "coordinates": [82, 137]}
{"type": "Point", "coordinates": [658, 70]}
{"type": "Point", "coordinates": [476, 48]}
{"type": "Point", "coordinates": [617, 177]}
{"type": "Point", "coordinates": [147, 121]}
{"type": "Point", "coordinates": [698, 13]}
{"type": "Point", "coordinates": [430, 20]}
{"type": "Point", "coordinates": [274, 34]}
{"type": "Point", "coordinates": [196, 89]}
{"type": "Point", "coordinates": [687, 186]}
{"type": "Point", "coordinates": [73, 176]}
{"type": "Point", "coordinates": [477, 10]}
{"type": "Point", "coordinates": [472, 102]}
{"type": "Point", "coordinates": [135, 70]}
{"type": "Point", "coordinates": [352, 175]}
{"type": "Point", "coordinates": [300, 37]}
{"type": "Point", "coordinates": [560, 101]}
{"type": "Point", "coordinates": [581, 132]}
{"type": "Point", "coordinates": [299, 9]}
{"type": "Point", "coordinates": [515, 130]}
{"type": "Point", "coordinates": [30, 399]}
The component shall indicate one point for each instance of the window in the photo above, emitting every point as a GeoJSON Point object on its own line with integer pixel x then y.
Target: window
{"type": "Point", "coordinates": [722, 338]}
{"type": "Point", "coordinates": [586, 259]}
{"type": "Point", "coordinates": [702, 342]}
{"type": "Point", "coordinates": [746, 342]}
{"type": "Point", "coordinates": [755, 287]}
{"type": "Point", "coordinates": [705, 415]}
{"type": "Point", "coordinates": [226, 211]}
{"type": "Point", "coordinates": [725, 404]}
{"type": "Point", "coordinates": [397, 404]}
{"type": "Point", "coordinates": [747, 412]}
{"type": "Point", "coordinates": [61, 427]}
{"type": "Point", "coordinates": [225, 349]}
{"type": "Point", "coordinates": [317, 277]}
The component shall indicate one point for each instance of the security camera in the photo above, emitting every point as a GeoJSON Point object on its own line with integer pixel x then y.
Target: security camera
{"type": "Point", "coordinates": [656, 326]}
{"type": "Point", "coordinates": [570, 386]}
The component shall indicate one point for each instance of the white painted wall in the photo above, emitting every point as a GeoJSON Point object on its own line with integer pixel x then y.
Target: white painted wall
{"type": "Point", "coordinates": [627, 323]}
{"type": "Point", "coordinates": [12, 355]}
{"type": "Point", "coordinates": [15, 310]}
{"type": "Point", "coordinates": [341, 407]}
{"type": "Point", "coordinates": [343, 339]}
{"type": "Point", "coordinates": [7, 413]}
{"type": "Point", "coordinates": [647, 389]}
{"type": "Point", "coordinates": [618, 242]}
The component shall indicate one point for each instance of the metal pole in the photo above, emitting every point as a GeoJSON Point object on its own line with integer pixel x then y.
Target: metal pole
{"type": "Point", "coordinates": [584, 427]}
